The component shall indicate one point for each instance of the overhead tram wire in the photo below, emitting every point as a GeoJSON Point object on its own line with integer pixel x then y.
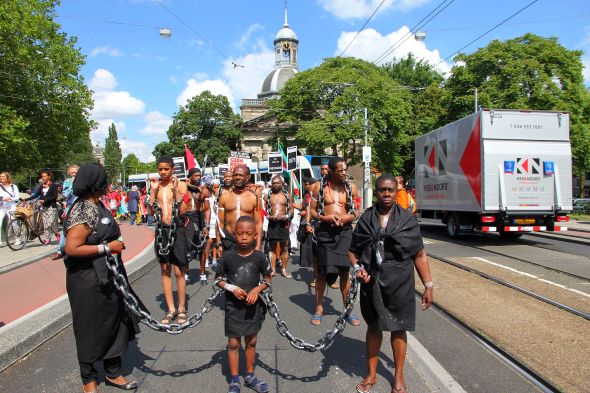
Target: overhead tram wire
{"type": "Point", "coordinates": [487, 32]}
{"type": "Point", "coordinates": [524, 22]}
{"type": "Point", "coordinates": [362, 28]}
{"type": "Point", "coordinates": [107, 21]}
{"type": "Point", "coordinates": [178, 18]}
{"type": "Point", "coordinates": [413, 30]}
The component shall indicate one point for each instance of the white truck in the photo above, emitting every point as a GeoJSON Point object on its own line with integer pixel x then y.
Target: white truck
{"type": "Point", "coordinates": [496, 170]}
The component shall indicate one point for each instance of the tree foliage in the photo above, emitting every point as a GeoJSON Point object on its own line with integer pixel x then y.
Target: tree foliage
{"type": "Point", "coordinates": [325, 105]}
{"type": "Point", "coordinates": [112, 154]}
{"type": "Point", "coordinates": [207, 125]}
{"type": "Point", "coordinates": [528, 72]}
{"type": "Point", "coordinates": [44, 102]}
{"type": "Point", "coordinates": [132, 165]}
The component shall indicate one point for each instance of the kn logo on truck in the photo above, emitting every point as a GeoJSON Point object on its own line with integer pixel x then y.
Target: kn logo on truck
{"type": "Point", "coordinates": [526, 166]}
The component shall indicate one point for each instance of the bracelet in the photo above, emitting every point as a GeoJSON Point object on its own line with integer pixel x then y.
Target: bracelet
{"type": "Point", "coordinates": [357, 267]}
{"type": "Point", "coordinates": [428, 284]}
{"type": "Point", "coordinates": [101, 249]}
{"type": "Point", "coordinates": [107, 249]}
{"type": "Point", "coordinates": [230, 287]}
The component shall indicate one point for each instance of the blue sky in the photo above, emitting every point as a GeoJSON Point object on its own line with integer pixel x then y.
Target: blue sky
{"type": "Point", "coordinates": [139, 79]}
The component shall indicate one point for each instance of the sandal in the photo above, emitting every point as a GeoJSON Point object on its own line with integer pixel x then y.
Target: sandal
{"type": "Point", "coordinates": [365, 387]}
{"type": "Point", "coordinates": [169, 317]}
{"type": "Point", "coordinates": [129, 385]}
{"type": "Point", "coordinates": [233, 387]}
{"type": "Point", "coordinates": [316, 319]}
{"type": "Point", "coordinates": [353, 320]}
{"type": "Point", "coordinates": [287, 275]}
{"type": "Point", "coordinates": [394, 390]}
{"type": "Point", "coordinates": [181, 317]}
{"type": "Point", "coordinates": [256, 384]}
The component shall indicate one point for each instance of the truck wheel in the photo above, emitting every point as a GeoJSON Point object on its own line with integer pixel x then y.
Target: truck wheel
{"type": "Point", "coordinates": [453, 226]}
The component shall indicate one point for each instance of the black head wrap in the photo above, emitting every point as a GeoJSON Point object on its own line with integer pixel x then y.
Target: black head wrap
{"type": "Point", "coordinates": [91, 180]}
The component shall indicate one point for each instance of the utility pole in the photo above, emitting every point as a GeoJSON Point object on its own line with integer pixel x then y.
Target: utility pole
{"type": "Point", "coordinates": [367, 191]}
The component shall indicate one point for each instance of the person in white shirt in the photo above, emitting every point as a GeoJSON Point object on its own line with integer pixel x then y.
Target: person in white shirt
{"type": "Point", "coordinates": [8, 197]}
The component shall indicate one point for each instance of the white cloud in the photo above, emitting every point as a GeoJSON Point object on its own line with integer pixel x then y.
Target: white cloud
{"type": "Point", "coordinates": [106, 50]}
{"type": "Point", "coordinates": [161, 58]}
{"type": "Point", "coordinates": [156, 124]}
{"type": "Point", "coordinates": [370, 44]}
{"type": "Point", "coordinates": [173, 79]}
{"type": "Point", "coordinates": [248, 33]}
{"type": "Point", "coordinates": [102, 131]}
{"type": "Point", "coordinates": [355, 9]}
{"type": "Point", "coordinates": [142, 150]}
{"type": "Point", "coordinates": [194, 88]}
{"type": "Point", "coordinates": [110, 103]}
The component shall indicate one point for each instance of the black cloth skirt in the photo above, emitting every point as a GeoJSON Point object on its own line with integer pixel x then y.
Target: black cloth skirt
{"type": "Point", "coordinates": [178, 254]}
{"type": "Point", "coordinates": [306, 251]}
{"type": "Point", "coordinates": [242, 319]}
{"type": "Point", "coordinates": [332, 248]}
{"type": "Point", "coordinates": [388, 301]}
{"type": "Point", "coordinates": [278, 230]}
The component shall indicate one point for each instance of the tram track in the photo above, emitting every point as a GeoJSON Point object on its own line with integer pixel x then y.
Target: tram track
{"type": "Point", "coordinates": [515, 287]}
{"type": "Point", "coordinates": [501, 254]}
{"type": "Point", "coordinates": [541, 383]}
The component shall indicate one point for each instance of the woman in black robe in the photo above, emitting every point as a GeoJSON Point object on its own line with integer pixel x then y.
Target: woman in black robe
{"type": "Point", "coordinates": [102, 325]}
{"type": "Point", "coordinates": [388, 244]}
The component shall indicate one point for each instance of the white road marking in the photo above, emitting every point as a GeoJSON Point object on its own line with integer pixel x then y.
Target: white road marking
{"type": "Point", "coordinates": [427, 241]}
{"type": "Point", "coordinates": [532, 276]}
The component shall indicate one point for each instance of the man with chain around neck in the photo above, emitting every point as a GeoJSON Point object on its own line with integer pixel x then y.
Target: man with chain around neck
{"type": "Point", "coordinates": [166, 202]}
{"type": "Point", "coordinates": [334, 208]}
{"type": "Point", "coordinates": [239, 201]}
{"type": "Point", "coordinates": [197, 216]}
{"type": "Point", "coordinates": [279, 213]}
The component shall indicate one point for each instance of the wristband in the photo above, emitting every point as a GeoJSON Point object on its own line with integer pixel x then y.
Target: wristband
{"type": "Point", "coordinates": [101, 249]}
{"type": "Point", "coordinates": [428, 284]}
{"type": "Point", "coordinates": [230, 287]}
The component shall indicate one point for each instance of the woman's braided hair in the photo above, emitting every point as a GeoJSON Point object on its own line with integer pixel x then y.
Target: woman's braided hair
{"type": "Point", "coordinates": [325, 182]}
{"type": "Point", "coordinates": [268, 207]}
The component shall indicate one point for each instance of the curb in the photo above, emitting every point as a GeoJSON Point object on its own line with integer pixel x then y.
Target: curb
{"type": "Point", "coordinates": [430, 369]}
{"type": "Point", "coordinates": [22, 336]}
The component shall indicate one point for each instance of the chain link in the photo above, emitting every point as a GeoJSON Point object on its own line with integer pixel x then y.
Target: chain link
{"type": "Point", "coordinates": [164, 249]}
{"type": "Point", "coordinates": [132, 302]}
{"type": "Point", "coordinates": [328, 338]}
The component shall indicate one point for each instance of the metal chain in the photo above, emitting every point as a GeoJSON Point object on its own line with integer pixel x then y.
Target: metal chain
{"type": "Point", "coordinates": [132, 302]}
{"type": "Point", "coordinates": [164, 249]}
{"type": "Point", "coordinates": [328, 338]}
{"type": "Point", "coordinates": [321, 198]}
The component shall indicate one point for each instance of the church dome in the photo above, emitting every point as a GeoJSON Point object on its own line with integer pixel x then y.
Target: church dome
{"type": "Point", "coordinates": [275, 81]}
{"type": "Point", "coordinates": [286, 34]}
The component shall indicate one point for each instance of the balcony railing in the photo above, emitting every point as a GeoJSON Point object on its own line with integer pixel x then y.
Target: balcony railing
{"type": "Point", "coordinates": [253, 102]}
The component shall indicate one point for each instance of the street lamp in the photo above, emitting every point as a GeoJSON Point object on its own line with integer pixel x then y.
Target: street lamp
{"type": "Point", "coordinates": [420, 36]}
{"type": "Point", "coordinates": [165, 32]}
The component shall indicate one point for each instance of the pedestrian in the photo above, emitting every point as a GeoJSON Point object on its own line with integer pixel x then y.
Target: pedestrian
{"type": "Point", "coordinates": [113, 200]}
{"type": "Point", "coordinates": [196, 213]}
{"type": "Point", "coordinates": [241, 271]}
{"type": "Point", "coordinates": [237, 202]}
{"type": "Point", "coordinates": [9, 195]}
{"type": "Point", "coordinates": [48, 204]}
{"type": "Point", "coordinates": [304, 234]}
{"type": "Point", "coordinates": [214, 193]}
{"type": "Point", "coordinates": [103, 326]}
{"type": "Point", "coordinates": [402, 197]}
{"type": "Point", "coordinates": [167, 194]}
{"type": "Point", "coordinates": [334, 209]}
{"type": "Point", "coordinates": [324, 171]}
{"type": "Point", "coordinates": [133, 204]}
{"type": "Point", "coordinates": [279, 213]}
{"type": "Point", "coordinates": [123, 207]}
{"type": "Point", "coordinates": [70, 198]}
{"type": "Point", "coordinates": [386, 246]}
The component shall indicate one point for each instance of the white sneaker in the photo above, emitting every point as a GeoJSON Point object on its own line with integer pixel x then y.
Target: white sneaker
{"type": "Point", "coordinates": [207, 263]}
{"type": "Point", "coordinates": [203, 278]}
{"type": "Point", "coordinates": [187, 278]}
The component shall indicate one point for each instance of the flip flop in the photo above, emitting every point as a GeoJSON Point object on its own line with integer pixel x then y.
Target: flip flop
{"type": "Point", "coordinates": [353, 320]}
{"type": "Point", "coordinates": [316, 319]}
{"type": "Point", "coordinates": [287, 275]}
{"type": "Point", "coordinates": [364, 387]}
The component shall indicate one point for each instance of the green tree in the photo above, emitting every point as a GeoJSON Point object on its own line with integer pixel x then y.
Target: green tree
{"type": "Point", "coordinates": [528, 72]}
{"type": "Point", "coordinates": [44, 103]}
{"type": "Point", "coordinates": [325, 106]}
{"type": "Point", "coordinates": [424, 83]}
{"type": "Point", "coordinates": [207, 125]}
{"type": "Point", "coordinates": [112, 155]}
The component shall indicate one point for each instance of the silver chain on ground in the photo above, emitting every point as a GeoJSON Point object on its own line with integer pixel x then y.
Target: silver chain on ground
{"type": "Point", "coordinates": [328, 338]}
{"type": "Point", "coordinates": [132, 303]}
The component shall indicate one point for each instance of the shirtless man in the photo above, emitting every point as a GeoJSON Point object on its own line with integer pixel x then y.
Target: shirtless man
{"type": "Point", "coordinates": [239, 201]}
{"type": "Point", "coordinates": [197, 217]}
{"type": "Point", "coordinates": [333, 207]}
{"type": "Point", "coordinates": [279, 214]}
{"type": "Point", "coordinates": [171, 255]}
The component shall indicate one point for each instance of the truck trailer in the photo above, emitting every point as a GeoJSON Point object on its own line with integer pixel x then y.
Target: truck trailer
{"type": "Point", "coordinates": [496, 170]}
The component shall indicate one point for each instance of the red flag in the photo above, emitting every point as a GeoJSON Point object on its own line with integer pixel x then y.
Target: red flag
{"type": "Point", "coordinates": [191, 161]}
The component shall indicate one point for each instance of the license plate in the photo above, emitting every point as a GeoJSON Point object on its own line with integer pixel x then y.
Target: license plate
{"type": "Point", "coordinates": [524, 221]}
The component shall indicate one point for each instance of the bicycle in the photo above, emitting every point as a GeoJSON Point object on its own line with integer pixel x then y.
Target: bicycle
{"type": "Point", "coordinates": [24, 224]}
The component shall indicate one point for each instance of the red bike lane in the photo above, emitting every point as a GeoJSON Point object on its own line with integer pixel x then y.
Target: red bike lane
{"type": "Point", "coordinates": [32, 286]}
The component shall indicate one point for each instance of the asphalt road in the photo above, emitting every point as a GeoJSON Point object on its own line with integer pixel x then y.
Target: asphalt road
{"type": "Point", "coordinates": [197, 361]}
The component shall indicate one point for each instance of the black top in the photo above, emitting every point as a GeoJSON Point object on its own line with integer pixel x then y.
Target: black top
{"type": "Point", "coordinates": [50, 198]}
{"type": "Point", "coordinates": [244, 272]}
